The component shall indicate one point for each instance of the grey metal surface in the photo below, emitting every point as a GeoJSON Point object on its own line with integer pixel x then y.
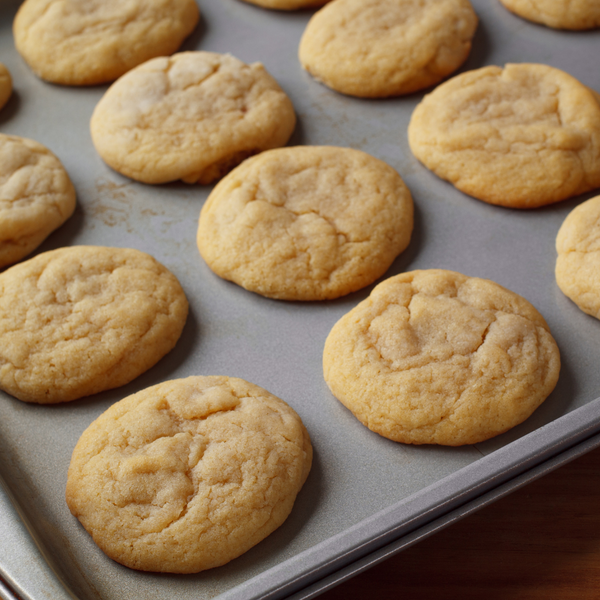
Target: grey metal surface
{"type": "Point", "coordinates": [382, 553]}
{"type": "Point", "coordinates": [361, 485]}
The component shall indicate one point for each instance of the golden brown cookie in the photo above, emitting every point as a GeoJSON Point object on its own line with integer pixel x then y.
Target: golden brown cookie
{"type": "Point", "coordinates": [78, 42]}
{"type": "Point", "coordinates": [79, 320]}
{"type": "Point", "coordinates": [288, 4]}
{"type": "Point", "coordinates": [578, 262]}
{"type": "Point", "coordinates": [521, 136]}
{"type": "Point", "coordinates": [5, 85]}
{"type": "Point", "coordinates": [378, 48]}
{"type": "Point", "coordinates": [435, 357]}
{"type": "Point", "coordinates": [306, 223]}
{"type": "Point", "coordinates": [559, 14]}
{"type": "Point", "coordinates": [36, 196]}
{"type": "Point", "coordinates": [188, 474]}
{"type": "Point", "coordinates": [193, 116]}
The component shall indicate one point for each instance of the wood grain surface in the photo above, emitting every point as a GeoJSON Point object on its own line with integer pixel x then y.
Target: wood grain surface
{"type": "Point", "coordinates": [542, 542]}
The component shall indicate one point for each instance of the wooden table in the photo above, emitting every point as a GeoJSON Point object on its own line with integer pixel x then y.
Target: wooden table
{"type": "Point", "coordinates": [540, 543]}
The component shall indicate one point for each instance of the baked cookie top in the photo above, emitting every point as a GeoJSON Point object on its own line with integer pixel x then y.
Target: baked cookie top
{"type": "Point", "coordinates": [378, 48]}
{"type": "Point", "coordinates": [83, 319]}
{"type": "Point", "coordinates": [435, 357]}
{"type": "Point", "coordinates": [36, 196]}
{"type": "Point", "coordinates": [521, 136]}
{"type": "Point", "coordinates": [5, 85]}
{"type": "Point", "coordinates": [188, 474]}
{"type": "Point", "coordinates": [193, 116]}
{"type": "Point", "coordinates": [288, 4]}
{"type": "Point", "coordinates": [78, 42]}
{"type": "Point", "coordinates": [306, 223]}
{"type": "Point", "coordinates": [560, 14]}
{"type": "Point", "coordinates": [578, 261]}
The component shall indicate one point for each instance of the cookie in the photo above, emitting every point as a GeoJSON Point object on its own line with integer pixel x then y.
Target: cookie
{"type": "Point", "coordinates": [578, 261]}
{"type": "Point", "coordinates": [188, 474]}
{"type": "Point", "coordinates": [306, 223]}
{"type": "Point", "coordinates": [79, 320]}
{"type": "Point", "coordinates": [559, 14]}
{"type": "Point", "coordinates": [287, 4]}
{"type": "Point", "coordinates": [193, 116]}
{"type": "Point", "coordinates": [5, 85]}
{"type": "Point", "coordinates": [378, 48]}
{"type": "Point", "coordinates": [521, 136]}
{"type": "Point", "coordinates": [435, 357]}
{"type": "Point", "coordinates": [77, 42]}
{"type": "Point", "coordinates": [36, 196]}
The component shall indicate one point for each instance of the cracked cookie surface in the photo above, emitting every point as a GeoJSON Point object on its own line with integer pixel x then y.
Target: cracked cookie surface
{"type": "Point", "coordinates": [193, 116]}
{"type": "Point", "coordinates": [578, 261]}
{"type": "Point", "coordinates": [83, 42]}
{"type": "Point", "coordinates": [378, 48]}
{"type": "Point", "coordinates": [435, 357]}
{"type": "Point", "coordinates": [188, 474]}
{"type": "Point", "coordinates": [83, 319]}
{"type": "Point", "coordinates": [521, 136]}
{"type": "Point", "coordinates": [5, 85]}
{"type": "Point", "coordinates": [306, 223]}
{"type": "Point", "coordinates": [559, 14]}
{"type": "Point", "coordinates": [36, 196]}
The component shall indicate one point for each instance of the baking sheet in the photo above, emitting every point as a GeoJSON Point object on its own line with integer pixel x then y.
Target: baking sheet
{"type": "Point", "coordinates": [360, 484]}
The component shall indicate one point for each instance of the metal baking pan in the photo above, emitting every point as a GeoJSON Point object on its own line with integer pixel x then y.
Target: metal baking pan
{"type": "Point", "coordinates": [366, 496]}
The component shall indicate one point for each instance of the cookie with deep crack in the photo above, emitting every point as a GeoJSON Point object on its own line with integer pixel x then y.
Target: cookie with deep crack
{"type": "Point", "coordinates": [306, 223]}
{"type": "Point", "coordinates": [36, 196]}
{"type": "Point", "coordinates": [5, 85]}
{"type": "Point", "coordinates": [192, 116]}
{"type": "Point", "coordinates": [559, 14]}
{"type": "Point", "coordinates": [521, 136]}
{"type": "Point", "coordinates": [578, 261]}
{"type": "Point", "coordinates": [83, 319]}
{"type": "Point", "coordinates": [77, 42]}
{"type": "Point", "coordinates": [436, 357]}
{"type": "Point", "coordinates": [188, 474]}
{"type": "Point", "coordinates": [379, 48]}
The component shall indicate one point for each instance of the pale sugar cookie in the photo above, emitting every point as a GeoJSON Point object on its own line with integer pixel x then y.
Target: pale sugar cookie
{"type": "Point", "coordinates": [83, 42]}
{"type": "Point", "coordinates": [306, 223]}
{"type": "Point", "coordinates": [378, 48]}
{"type": "Point", "coordinates": [5, 85]}
{"type": "Point", "coordinates": [435, 357]}
{"type": "Point", "coordinates": [36, 196]}
{"type": "Point", "coordinates": [193, 116]}
{"type": "Point", "coordinates": [521, 136]}
{"type": "Point", "coordinates": [83, 319]}
{"type": "Point", "coordinates": [559, 14]}
{"type": "Point", "coordinates": [188, 474]}
{"type": "Point", "coordinates": [578, 262]}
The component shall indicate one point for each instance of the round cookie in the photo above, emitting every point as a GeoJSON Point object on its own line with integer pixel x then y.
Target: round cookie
{"type": "Point", "coordinates": [5, 85]}
{"type": "Point", "coordinates": [78, 42]}
{"type": "Point", "coordinates": [193, 116]}
{"type": "Point", "coordinates": [435, 357]}
{"type": "Point", "coordinates": [287, 4]}
{"type": "Point", "coordinates": [521, 136]}
{"type": "Point", "coordinates": [36, 196]}
{"type": "Point", "coordinates": [306, 223]}
{"type": "Point", "coordinates": [379, 48]}
{"type": "Point", "coordinates": [559, 14]}
{"type": "Point", "coordinates": [578, 262]}
{"type": "Point", "coordinates": [83, 319]}
{"type": "Point", "coordinates": [188, 474]}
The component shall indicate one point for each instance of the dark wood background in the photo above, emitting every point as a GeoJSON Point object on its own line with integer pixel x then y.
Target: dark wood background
{"type": "Point", "coordinates": [542, 542]}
